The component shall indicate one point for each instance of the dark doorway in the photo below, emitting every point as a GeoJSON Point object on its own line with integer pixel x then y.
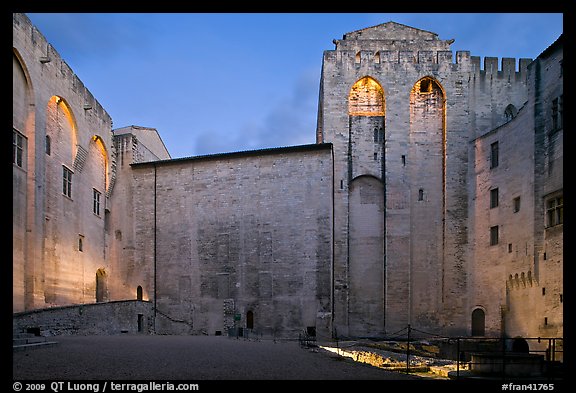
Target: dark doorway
{"type": "Point", "coordinates": [140, 323]}
{"type": "Point", "coordinates": [520, 345]}
{"type": "Point", "coordinates": [478, 322]}
{"type": "Point", "coordinates": [139, 293]}
{"type": "Point", "coordinates": [101, 286]}
{"type": "Point", "coordinates": [250, 320]}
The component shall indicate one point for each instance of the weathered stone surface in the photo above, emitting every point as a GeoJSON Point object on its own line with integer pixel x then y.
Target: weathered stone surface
{"type": "Point", "coordinates": [384, 222]}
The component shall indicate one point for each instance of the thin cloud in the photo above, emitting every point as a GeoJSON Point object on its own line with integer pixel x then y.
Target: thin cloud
{"type": "Point", "coordinates": [291, 122]}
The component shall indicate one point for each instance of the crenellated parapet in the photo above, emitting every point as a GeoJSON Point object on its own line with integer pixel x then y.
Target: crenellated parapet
{"type": "Point", "coordinates": [503, 68]}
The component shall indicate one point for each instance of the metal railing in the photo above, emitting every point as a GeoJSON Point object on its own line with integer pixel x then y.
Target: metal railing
{"type": "Point", "coordinates": [490, 357]}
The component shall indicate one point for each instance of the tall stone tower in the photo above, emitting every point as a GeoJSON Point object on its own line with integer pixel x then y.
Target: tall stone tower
{"type": "Point", "coordinates": [397, 110]}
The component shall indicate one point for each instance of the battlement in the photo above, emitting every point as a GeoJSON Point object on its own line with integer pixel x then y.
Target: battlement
{"type": "Point", "coordinates": [492, 65]}
{"type": "Point", "coordinates": [507, 65]}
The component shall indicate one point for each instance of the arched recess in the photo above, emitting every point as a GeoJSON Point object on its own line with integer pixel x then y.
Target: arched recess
{"type": "Point", "coordinates": [510, 112]}
{"type": "Point", "coordinates": [366, 122]}
{"type": "Point", "coordinates": [101, 285]}
{"type": "Point", "coordinates": [250, 319]}
{"type": "Point", "coordinates": [61, 127]}
{"type": "Point", "coordinates": [366, 258]}
{"type": "Point", "coordinates": [23, 187]}
{"type": "Point", "coordinates": [61, 187]}
{"type": "Point", "coordinates": [103, 159]}
{"type": "Point", "coordinates": [478, 322]}
{"type": "Point", "coordinates": [96, 172]}
{"type": "Point", "coordinates": [139, 293]}
{"type": "Point", "coordinates": [22, 95]}
{"type": "Point", "coordinates": [427, 193]}
{"type": "Point", "coordinates": [366, 98]}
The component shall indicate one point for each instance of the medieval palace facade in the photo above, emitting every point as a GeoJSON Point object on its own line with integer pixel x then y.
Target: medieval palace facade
{"type": "Point", "coordinates": [433, 196]}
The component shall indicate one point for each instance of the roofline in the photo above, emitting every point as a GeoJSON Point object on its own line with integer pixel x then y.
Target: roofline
{"type": "Point", "coordinates": [391, 21]}
{"type": "Point", "coordinates": [145, 128]}
{"type": "Point", "coordinates": [239, 154]}
{"type": "Point", "coordinates": [552, 46]}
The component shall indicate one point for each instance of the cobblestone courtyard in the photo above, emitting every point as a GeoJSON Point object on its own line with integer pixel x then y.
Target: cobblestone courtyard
{"type": "Point", "coordinates": [136, 357]}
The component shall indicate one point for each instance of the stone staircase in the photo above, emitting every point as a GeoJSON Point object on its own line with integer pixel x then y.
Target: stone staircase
{"type": "Point", "coordinates": [22, 341]}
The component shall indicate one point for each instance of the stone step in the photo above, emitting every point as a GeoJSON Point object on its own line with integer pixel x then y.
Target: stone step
{"type": "Point", "coordinates": [28, 340]}
{"type": "Point", "coordinates": [22, 335]}
{"type": "Point", "coordinates": [26, 347]}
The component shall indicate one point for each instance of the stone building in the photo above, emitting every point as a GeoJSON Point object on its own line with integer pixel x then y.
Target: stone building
{"type": "Point", "coordinates": [396, 216]}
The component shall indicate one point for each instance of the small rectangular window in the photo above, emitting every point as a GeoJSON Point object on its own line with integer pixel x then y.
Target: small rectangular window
{"type": "Point", "coordinates": [555, 211]}
{"type": "Point", "coordinates": [493, 198]}
{"type": "Point", "coordinates": [17, 148]}
{"type": "Point", "coordinates": [375, 156]}
{"type": "Point", "coordinates": [494, 235]}
{"type": "Point", "coordinates": [80, 243]}
{"type": "Point", "coordinates": [67, 182]}
{"type": "Point", "coordinates": [516, 204]}
{"type": "Point", "coordinates": [494, 153]}
{"type": "Point", "coordinates": [403, 160]}
{"type": "Point", "coordinates": [509, 247]}
{"type": "Point", "coordinates": [96, 201]}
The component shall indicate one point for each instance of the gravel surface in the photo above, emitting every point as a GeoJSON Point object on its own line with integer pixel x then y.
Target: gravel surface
{"type": "Point", "coordinates": [138, 357]}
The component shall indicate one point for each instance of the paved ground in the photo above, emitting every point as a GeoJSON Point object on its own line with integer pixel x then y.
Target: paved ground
{"type": "Point", "coordinates": [137, 357]}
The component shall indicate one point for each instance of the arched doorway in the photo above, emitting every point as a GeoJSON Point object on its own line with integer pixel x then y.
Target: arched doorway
{"type": "Point", "coordinates": [250, 320]}
{"type": "Point", "coordinates": [139, 292]}
{"type": "Point", "coordinates": [101, 286]}
{"type": "Point", "coordinates": [478, 322]}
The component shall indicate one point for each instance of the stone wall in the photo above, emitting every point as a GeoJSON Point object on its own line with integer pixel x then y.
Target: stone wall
{"type": "Point", "coordinates": [116, 317]}
{"type": "Point", "coordinates": [242, 232]}
{"type": "Point", "coordinates": [62, 126]}
{"type": "Point", "coordinates": [426, 244]}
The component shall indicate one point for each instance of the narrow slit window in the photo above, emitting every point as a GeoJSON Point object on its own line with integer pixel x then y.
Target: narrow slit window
{"type": "Point", "coordinates": [48, 145]}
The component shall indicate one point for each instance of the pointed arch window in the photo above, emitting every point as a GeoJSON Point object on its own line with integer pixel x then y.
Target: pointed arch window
{"type": "Point", "coordinates": [366, 98]}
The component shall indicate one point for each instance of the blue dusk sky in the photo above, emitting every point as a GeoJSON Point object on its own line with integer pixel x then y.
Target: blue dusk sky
{"type": "Point", "coordinates": [224, 82]}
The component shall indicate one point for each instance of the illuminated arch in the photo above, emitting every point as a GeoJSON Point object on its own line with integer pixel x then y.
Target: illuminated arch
{"type": "Point", "coordinates": [56, 106]}
{"type": "Point", "coordinates": [366, 98]}
{"type": "Point", "coordinates": [101, 285]}
{"type": "Point", "coordinates": [99, 143]}
{"type": "Point", "coordinates": [22, 93]}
